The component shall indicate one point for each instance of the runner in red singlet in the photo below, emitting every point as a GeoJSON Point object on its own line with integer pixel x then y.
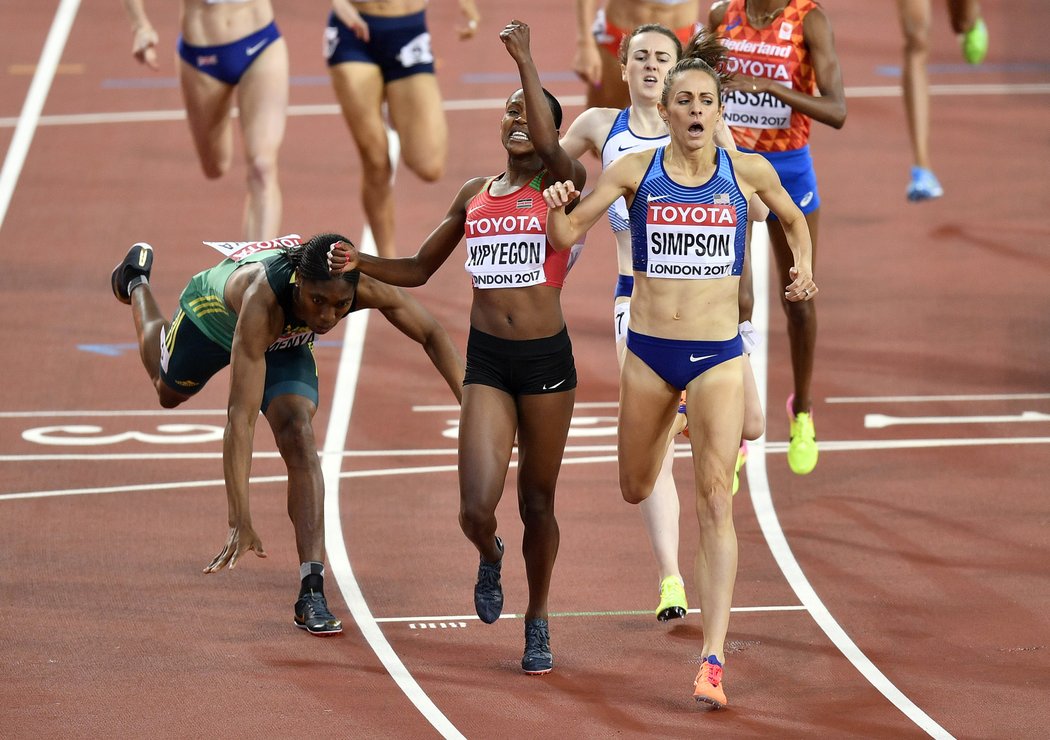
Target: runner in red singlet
{"type": "Point", "coordinates": [521, 376]}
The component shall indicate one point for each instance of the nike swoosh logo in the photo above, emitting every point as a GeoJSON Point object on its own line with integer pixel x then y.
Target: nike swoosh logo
{"type": "Point", "coordinates": [250, 51]}
{"type": "Point", "coordinates": [625, 148]}
{"type": "Point", "coordinates": [552, 387]}
{"type": "Point", "coordinates": [650, 197]}
{"type": "Point", "coordinates": [697, 359]}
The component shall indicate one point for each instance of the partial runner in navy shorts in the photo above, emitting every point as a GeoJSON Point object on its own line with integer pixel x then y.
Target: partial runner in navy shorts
{"type": "Point", "coordinates": [798, 176]}
{"type": "Point", "coordinates": [228, 62]}
{"type": "Point", "coordinates": [382, 69]}
{"type": "Point", "coordinates": [795, 168]}
{"type": "Point", "coordinates": [399, 46]}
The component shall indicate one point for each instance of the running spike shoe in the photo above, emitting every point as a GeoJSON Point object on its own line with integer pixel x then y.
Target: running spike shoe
{"type": "Point", "coordinates": [923, 186]}
{"type": "Point", "coordinates": [537, 659]}
{"type": "Point", "coordinates": [488, 591]}
{"type": "Point", "coordinates": [672, 599]}
{"type": "Point", "coordinates": [132, 272]}
{"type": "Point", "coordinates": [312, 615]}
{"type": "Point", "coordinates": [802, 449]}
{"type": "Point", "coordinates": [707, 688]}
{"type": "Point", "coordinates": [975, 43]}
{"type": "Point", "coordinates": [741, 458]}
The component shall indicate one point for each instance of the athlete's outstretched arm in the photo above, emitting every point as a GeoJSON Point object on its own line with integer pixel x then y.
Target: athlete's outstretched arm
{"type": "Point", "coordinates": [410, 272]}
{"type": "Point", "coordinates": [417, 323]}
{"type": "Point", "coordinates": [756, 171]}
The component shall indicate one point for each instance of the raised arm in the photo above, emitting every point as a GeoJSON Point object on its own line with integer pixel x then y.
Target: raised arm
{"type": "Point", "coordinates": [144, 37]}
{"type": "Point", "coordinates": [258, 324]}
{"type": "Point", "coordinates": [542, 131]}
{"type": "Point", "coordinates": [418, 324]}
{"type": "Point", "coordinates": [413, 271]}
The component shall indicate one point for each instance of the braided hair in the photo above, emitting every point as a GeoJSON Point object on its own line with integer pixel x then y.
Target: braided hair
{"type": "Point", "coordinates": [310, 259]}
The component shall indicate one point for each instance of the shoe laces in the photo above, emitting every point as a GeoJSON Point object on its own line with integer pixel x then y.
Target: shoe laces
{"type": "Point", "coordinates": [316, 605]}
{"type": "Point", "coordinates": [710, 673]}
{"type": "Point", "coordinates": [488, 576]}
{"type": "Point", "coordinates": [669, 585]}
{"type": "Point", "coordinates": [802, 425]}
{"type": "Point", "coordinates": [536, 636]}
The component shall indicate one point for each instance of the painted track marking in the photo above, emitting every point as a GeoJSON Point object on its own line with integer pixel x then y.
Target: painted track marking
{"type": "Point", "coordinates": [762, 501]}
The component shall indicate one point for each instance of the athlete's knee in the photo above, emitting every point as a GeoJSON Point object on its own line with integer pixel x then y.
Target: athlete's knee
{"type": "Point", "coordinates": [294, 436]}
{"type": "Point", "coordinates": [376, 174]}
{"type": "Point", "coordinates": [634, 488]}
{"type": "Point", "coordinates": [474, 517]}
{"type": "Point", "coordinates": [167, 398]}
{"type": "Point", "coordinates": [916, 38]}
{"type": "Point", "coordinates": [262, 168]}
{"type": "Point", "coordinates": [375, 156]}
{"type": "Point", "coordinates": [754, 424]}
{"type": "Point", "coordinates": [430, 169]}
{"type": "Point", "coordinates": [536, 505]}
{"type": "Point", "coordinates": [799, 311]}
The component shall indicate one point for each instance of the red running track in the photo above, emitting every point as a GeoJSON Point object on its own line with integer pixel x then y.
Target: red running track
{"type": "Point", "coordinates": [924, 539]}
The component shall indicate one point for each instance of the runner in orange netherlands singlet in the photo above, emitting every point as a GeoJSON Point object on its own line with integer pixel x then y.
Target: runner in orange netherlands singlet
{"type": "Point", "coordinates": [785, 75]}
{"type": "Point", "coordinates": [778, 53]}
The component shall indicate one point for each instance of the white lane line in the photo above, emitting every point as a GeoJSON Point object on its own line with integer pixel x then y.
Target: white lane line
{"type": "Point", "coordinates": [476, 104]}
{"type": "Point", "coordinates": [28, 120]}
{"type": "Point", "coordinates": [881, 421]}
{"type": "Point", "coordinates": [639, 612]}
{"type": "Point", "coordinates": [940, 399]}
{"type": "Point", "coordinates": [762, 501]}
{"type": "Point", "coordinates": [335, 544]}
{"type": "Point", "coordinates": [681, 451]}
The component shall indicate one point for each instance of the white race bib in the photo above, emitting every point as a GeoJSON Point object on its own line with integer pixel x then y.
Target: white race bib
{"type": "Point", "coordinates": [690, 241]}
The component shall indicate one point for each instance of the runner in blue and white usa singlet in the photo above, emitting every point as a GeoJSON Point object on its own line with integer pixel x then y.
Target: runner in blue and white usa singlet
{"type": "Point", "coordinates": [686, 232]}
{"type": "Point", "coordinates": [620, 141]}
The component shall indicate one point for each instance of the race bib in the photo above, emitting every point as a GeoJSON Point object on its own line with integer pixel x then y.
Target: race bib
{"type": "Point", "coordinates": [690, 241]}
{"type": "Point", "coordinates": [237, 251]}
{"type": "Point", "coordinates": [506, 262]}
{"type": "Point", "coordinates": [757, 110]}
{"type": "Point", "coordinates": [506, 251]}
